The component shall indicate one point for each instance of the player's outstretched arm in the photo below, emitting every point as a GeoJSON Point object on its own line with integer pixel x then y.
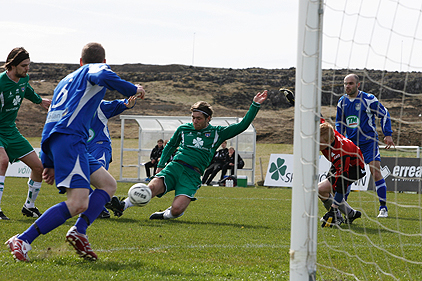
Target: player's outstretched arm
{"type": "Point", "coordinates": [45, 103]}
{"type": "Point", "coordinates": [260, 97]}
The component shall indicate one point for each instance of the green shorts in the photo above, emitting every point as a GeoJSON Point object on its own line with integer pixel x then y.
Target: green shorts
{"type": "Point", "coordinates": [181, 179]}
{"type": "Point", "coordinates": [15, 144]}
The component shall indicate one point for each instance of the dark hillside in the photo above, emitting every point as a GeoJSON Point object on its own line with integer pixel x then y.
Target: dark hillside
{"type": "Point", "coordinates": [171, 89]}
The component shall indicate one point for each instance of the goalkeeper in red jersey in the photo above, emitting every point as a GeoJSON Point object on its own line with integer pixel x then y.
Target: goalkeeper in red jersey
{"type": "Point", "coordinates": [347, 167]}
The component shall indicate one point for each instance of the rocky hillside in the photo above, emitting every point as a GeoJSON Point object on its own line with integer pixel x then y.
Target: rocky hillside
{"type": "Point", "coordinates": [171, 89]}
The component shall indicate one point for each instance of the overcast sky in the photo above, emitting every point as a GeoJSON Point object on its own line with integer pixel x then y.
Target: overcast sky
{"type": "Point", "coordinates": [212, 33]}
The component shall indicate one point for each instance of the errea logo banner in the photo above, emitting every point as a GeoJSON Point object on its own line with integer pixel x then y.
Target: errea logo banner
{"type": "Point", "coordinates": [352, 121]}
{"type": "Point", "coordinates": [402, 174]}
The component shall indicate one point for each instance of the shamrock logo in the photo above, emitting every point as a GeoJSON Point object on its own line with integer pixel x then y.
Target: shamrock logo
{"type": "Point", "coordinates": [278, 169]}
{"type": "Point", "coordinates": [16, 100]}
{"type": "Point", "coordinates": [198, 142]}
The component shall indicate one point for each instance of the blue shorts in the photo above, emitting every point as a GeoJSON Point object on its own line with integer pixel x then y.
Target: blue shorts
{"type": "Point", "coordinates": [72, 163]}
{"type": "Point", "coordinates": [370, 151]}
{"type": "Point", "coordinates": [102, 154]}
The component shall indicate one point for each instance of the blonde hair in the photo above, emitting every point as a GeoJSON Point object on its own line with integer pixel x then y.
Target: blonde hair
{"type": "Point", "coordinates": [326, 131]}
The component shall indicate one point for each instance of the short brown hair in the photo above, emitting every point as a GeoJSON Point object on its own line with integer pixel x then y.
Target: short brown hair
{"type": "Point", "coordinates": [15, 57]}
{"type": "Point", "coordinates": [93, 53]}
{"type": "Point", "coordinates": [203, 107]}
{"type": "Point", "coordinates": [326, 131]}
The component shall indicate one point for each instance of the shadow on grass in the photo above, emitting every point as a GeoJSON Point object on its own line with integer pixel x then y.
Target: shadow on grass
{"type": "Point", "coordinates": [236, 225]}
{"type": "Point", "coordinates": [105, 266]}
{"type": "Point", "coordinates": [160, 223]}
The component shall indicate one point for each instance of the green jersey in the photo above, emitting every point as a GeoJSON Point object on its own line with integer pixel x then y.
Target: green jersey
{"type": "Point", "coordinates": [11, 96]}
{"type": "Point", "coordinates": [197, 147]}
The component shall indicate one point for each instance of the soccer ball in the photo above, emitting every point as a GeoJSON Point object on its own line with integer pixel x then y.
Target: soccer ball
{"type": "Point", "coordinates": [139, 194]}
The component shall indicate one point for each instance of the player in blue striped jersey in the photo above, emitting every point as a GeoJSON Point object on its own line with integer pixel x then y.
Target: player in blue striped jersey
{"type": "Point", "coordinates": [356, 114]}
{"type": "Point", "coordinates": [65, 156]}
{"type": "Point", "coordinates": [99, 141]}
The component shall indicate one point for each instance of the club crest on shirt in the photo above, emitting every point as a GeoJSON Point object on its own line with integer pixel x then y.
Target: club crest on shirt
{"type": "Point", "coordinates": [357, 106]}
{"type": "Point", "coordinates": [198, 142]}
{"type": "Point", "coordinates": [207, 134]}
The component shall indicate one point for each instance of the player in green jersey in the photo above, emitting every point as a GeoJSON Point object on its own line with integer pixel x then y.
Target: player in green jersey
{"type": "Point", "coordinates": [196, 144]}
{"type": "Point", "coordinates": [14, 87]}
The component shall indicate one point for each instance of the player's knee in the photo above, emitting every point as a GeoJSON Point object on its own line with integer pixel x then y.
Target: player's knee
{"type": "Point", "coordinates": [4, 162]}
{"type": "Point", "coordinates": [157, 186]}
{"type": "Point", "coordinates": [110, 188]}
{"type": "Point", "coordinates": [37, 169]}
{"type": "Point", "coordinates": [377, 175]}
{"type": "Point", "coordinates": [76, 208]}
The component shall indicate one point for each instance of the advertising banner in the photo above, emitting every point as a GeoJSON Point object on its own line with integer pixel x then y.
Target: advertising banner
{"type": "Point", "coordinates": [400, 174]}
{"type": "Point", "coordinates": [280, 172]}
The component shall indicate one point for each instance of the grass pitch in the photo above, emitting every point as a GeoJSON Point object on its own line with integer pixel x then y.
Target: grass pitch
{"type": "Point", "coordinates": [227, 234]}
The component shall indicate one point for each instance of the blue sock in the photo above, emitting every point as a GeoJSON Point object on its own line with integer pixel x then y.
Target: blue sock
{"type": "Point", "coordinates": [50, 219]}
{"type": "Point", "coordinates": [97, 200]}
{"type": "Point", "coordinates": [382, 193]}
{"type": "Point", "coordinates": [338, 198]}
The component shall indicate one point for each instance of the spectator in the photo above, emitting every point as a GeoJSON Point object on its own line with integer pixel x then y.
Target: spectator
{"type": "Point", "coordinates": [218, 161]}
{"type": "Point", "coordinates": [230, 162]}
{"type": "Point", "coordinates": [154, 159]}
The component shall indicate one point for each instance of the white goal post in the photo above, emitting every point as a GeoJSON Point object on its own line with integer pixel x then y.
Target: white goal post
{"type": "Point", "coordinates": [380, 42]}
{"type": "Point", "coordinates": [303, 243]}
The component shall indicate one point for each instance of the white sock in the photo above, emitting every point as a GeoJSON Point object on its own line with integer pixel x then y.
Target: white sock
{"type": "Point", "coordinates": [33, 190]}
{"type": "Point", "coordinates": [167, 214]}
{"type": "Point", "coordinates": [2, 178]}
{"type": "Point", "coordinates": [128, 204]}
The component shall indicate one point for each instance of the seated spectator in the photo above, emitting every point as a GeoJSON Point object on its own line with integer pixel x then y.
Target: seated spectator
{"type": "Point", "coordinates": [154, 159]}
{"type": "Point", "coordinates": [230, 163]}
{"type": "Point", "coordinates": [216, 165]}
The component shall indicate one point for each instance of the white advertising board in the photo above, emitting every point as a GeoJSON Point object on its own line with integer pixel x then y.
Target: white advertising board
{"type": "Point", "coordinates": [280, 172]}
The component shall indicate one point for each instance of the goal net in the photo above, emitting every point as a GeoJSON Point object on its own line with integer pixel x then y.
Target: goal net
{"type": "Point", "coordinates": [381, 42]}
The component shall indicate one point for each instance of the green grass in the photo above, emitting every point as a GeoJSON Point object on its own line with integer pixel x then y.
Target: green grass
{"type": "Point", "coordinates": [221, 236]}
{"type": "Point", "coordinates": [227, 234]}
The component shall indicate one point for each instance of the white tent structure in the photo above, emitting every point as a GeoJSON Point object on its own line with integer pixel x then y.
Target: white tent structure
{"type": "Point", "coordinates": [134, 153]}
